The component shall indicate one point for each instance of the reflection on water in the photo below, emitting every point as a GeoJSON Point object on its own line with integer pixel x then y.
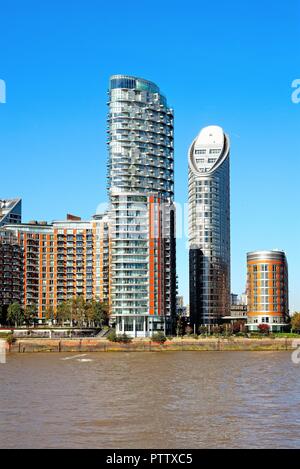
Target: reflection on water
{"type": "Point", "coordinates": [150, 400]}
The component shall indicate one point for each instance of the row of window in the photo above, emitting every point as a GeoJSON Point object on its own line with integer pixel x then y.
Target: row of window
{"type": "Point", "coordinates": [266, 268]}
{"type": "Point", "coordinates": [209, 160]}
{"type": "Point", "coordinates": [204, 151]}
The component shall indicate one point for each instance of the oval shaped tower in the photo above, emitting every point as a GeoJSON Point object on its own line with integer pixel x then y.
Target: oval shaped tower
{"type": "Point", "coordinates": [209, 226]}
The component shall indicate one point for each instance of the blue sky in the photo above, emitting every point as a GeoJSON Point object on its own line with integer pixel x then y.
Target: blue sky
{"type": "Point", "coordinates": [226, 63]}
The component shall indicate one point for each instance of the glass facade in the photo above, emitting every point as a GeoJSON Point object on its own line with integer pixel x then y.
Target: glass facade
{"type": "Point", "coordinates": [140, 138]}
{"type": "Point", "coordinates": [209, 227]}
{"type": "Point", "coordinates": [140, 186]}
{"type": "Point", "coordinates": [10, 211]}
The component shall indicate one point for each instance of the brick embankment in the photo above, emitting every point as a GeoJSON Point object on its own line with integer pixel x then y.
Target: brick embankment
{"type": "Point", "coordinates": [103, 345]}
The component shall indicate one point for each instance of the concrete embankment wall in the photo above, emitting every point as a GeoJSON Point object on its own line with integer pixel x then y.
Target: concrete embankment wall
{"type": "Point", "coordinates": [103, 345]}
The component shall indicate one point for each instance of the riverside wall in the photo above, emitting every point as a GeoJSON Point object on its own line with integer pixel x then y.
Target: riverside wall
{"type": "Point", "coordinates": [176, 344]}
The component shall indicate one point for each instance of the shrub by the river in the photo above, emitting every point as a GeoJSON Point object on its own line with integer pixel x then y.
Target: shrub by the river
{"type": "Point", "coordinates": [264, 329]}
{"type": "Point", "coordinates": [295, 323]}
{"type": "Point", "coordinates": [10, 339]}
{"type": "Point", "coordinates": [194, 336]}
{"type": "Point", "coordinates": [124, 338]}
{"type": "Point", "coordinates": [113, 337]}
{"type": "Point", "coordinates": [159, 337]}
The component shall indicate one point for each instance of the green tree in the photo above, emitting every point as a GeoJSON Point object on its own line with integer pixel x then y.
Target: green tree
{"type": "Point", "coordinates": [63, 312]}
{"type": "Point", "coordinates": [96, 313]}
{"type": "Point", "coordinates": [89, 311]}
{"type": "Point", "coordinates": [78, 310]}
{"type": "Point", "coordinates": [49, 313]}
{"type": "Point", "coordinates": [81, 312]}
{"type": "Point", "coordinates": [295, 321]}
{"type": "Point", "coordinates": [181, 325]}
{"type": "Point", "coordinates": [15, 315]}
{"type": "Point", "coordinates": [100, 313]}
{"type": "Point", "coordinates": [30, 313]}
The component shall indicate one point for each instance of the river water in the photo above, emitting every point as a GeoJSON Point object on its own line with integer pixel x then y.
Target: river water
{"type": "Point", "coordinates": [150, 400]}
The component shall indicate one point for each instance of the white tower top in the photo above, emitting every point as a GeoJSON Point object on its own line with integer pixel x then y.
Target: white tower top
{"type": "Point", "coordinates": [208, 151]}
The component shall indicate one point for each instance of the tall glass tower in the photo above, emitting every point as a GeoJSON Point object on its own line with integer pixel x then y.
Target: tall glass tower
{"type": "Point", "coordinates": [140, 186]}
{"type": "Point", "coordinates": [209, 227]}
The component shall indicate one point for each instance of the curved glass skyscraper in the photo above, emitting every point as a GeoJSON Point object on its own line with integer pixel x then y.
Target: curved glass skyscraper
{"type": "Point", "coordinates": [141, 185]}
{"type": "Point", "coordinates": [209, 226]}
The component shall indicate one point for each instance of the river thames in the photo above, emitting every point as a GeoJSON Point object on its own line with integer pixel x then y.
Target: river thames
{"type": "Point", "coordinates": [150, 400]}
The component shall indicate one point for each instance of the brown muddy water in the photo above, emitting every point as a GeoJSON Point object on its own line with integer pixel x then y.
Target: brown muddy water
{"type": "Point", "coordinates": [150, 400]}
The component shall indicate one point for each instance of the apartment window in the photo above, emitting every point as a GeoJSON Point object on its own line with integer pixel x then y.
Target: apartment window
{"type": "Point", "coordinates": [128, 324]}
{"type": "Point", "coordinates": [139, 324]}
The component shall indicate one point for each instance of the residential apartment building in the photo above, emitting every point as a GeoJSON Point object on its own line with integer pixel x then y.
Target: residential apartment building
{"type": "Point", "coordinates": [141, 190]}
{"type": "Point", "coordinates": [267, 289]}
{"type": "Point", "coordinates": [209, 227]}
{"type": "Point", "coordinates": [62, 260]}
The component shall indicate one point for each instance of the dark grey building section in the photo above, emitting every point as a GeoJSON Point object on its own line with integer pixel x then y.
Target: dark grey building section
{"type": "Point", "coordinates": [10, 211]}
